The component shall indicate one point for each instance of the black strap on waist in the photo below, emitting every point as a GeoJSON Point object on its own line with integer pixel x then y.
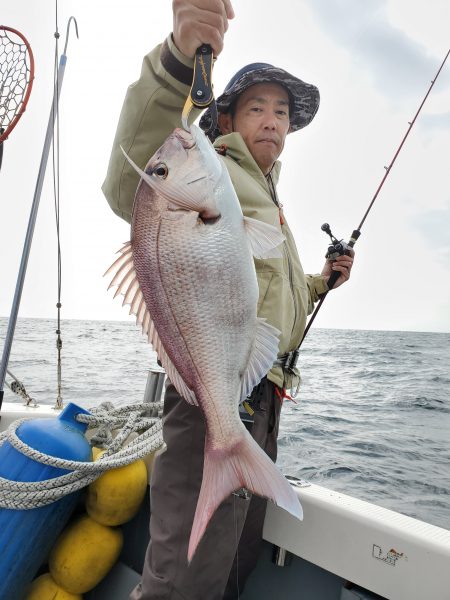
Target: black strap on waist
{"type": "Point", "coordinates": [251, 404]}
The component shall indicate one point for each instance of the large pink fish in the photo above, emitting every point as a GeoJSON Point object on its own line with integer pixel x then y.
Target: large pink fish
{"type": "Point", "coordinates": [189, 276]}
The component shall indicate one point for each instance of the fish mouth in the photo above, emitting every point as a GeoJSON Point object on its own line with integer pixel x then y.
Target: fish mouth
{"type": "Point", "coordinates": [185, 138]}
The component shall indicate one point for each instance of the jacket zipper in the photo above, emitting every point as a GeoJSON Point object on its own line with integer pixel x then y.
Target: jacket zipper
{"type": "Point", "coordinates": [277, 203]}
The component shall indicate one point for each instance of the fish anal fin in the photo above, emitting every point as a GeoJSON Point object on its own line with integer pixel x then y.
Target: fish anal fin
{"type": "Point", "coordinates": [176, 378]}
{"type": "Point", "coordinates": [263, 238]}
{"type": "Point", "coordinates": [167, 364]}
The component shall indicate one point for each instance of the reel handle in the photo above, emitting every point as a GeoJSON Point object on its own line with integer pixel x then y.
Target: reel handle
{"type": "Point", "coordinates": [335, 274]}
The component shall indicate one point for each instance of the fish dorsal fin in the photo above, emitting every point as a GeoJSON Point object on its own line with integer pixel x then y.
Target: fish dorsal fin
{"type": "Point", "coordinates": [263, 238]}
{"type": "Point", "coordinates": [125, 278]}
{"type": "Point", "coordinates": [262, 356]}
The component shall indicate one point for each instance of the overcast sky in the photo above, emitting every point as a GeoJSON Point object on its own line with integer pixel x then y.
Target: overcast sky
{"type": "Point", "coordinates": [372, 61]}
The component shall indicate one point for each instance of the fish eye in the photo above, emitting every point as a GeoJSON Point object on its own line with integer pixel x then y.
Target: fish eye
{"type": "Point", "coordinates": [161, 170]}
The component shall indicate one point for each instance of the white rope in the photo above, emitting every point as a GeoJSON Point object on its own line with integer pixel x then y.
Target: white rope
{"type": "Point", "coordinates": [142, 419]}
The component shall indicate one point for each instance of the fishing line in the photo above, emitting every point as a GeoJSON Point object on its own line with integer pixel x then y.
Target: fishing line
{"type": "Point", "coordinates": [237, 546]}
{"type": "Point", "coordinates": [56, 195]}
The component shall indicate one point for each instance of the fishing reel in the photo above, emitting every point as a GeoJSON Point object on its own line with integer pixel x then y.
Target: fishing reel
{"type": "Point", "coordinates": [337, 247]}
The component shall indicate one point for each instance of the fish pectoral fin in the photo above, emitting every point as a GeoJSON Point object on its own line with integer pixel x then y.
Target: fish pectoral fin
{"type": "Point", "coordinates": [245, 465]}
{"type": "Point", "coordinates": [148, 328]}
{"type": "Point", "coordinates": [263, 238]}
{"type": "Point", "coordinates": [262, 356]}
{"type": "Point", "coordinates": [126, 280]}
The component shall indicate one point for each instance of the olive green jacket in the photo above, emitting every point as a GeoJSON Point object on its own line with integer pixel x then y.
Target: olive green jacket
{"type": "Point", "coordinates": [152, 109]}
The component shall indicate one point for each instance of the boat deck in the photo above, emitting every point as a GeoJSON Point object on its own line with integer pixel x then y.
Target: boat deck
{"type": "Point", "coordinates": [345, 549]}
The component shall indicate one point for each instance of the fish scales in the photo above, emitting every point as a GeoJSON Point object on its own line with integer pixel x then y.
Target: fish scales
{"type": "Point", "coordinates": [144, 228]}
{"type": "Point", "coordinates": [210, 318]}
{"type": "Point", "coordinates": [214, 317]}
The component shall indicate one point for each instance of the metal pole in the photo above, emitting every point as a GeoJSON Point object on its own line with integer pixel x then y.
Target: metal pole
{"type": "Point", "coordinates": [154, 387]}
{"type": "Point", "coordinates": [32, 220]}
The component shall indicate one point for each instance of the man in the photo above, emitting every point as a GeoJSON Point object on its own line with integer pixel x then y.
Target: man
{"type": "Point", "coordinates": [259, 107]}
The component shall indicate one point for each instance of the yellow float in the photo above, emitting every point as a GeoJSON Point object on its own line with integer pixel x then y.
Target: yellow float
{"type": "Point", "coordinates": [89, 547]}
{"type": "Point", "coordinates": [115, 497]}
{"type": "Point", "coordinates": [45, 587]}
{"type": "Point", "coordinates": [83, 554]}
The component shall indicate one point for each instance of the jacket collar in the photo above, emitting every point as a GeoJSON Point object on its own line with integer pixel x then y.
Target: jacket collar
{"type": "Point", "coordinates": [238, 151]}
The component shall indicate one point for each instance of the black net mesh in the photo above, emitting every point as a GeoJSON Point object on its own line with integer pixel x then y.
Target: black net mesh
{"type": "Point", "coordinates": [15, 74]}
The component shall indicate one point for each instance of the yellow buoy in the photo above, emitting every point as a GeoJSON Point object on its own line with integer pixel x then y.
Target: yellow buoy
{"type": "Point", "coordinates": [83, 554]}
{"type": "Point", "coordinates": [46, 588]}
{"type": "Point", "coordinates": [115, 497]}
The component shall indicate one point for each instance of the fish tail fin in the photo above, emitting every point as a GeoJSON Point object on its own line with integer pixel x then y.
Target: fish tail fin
{"type": "Point", "coordinates": [245, 465]}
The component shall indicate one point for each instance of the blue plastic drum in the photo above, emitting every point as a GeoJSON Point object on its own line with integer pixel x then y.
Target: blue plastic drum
{"type": "Point", "coordinates": [26, 536]}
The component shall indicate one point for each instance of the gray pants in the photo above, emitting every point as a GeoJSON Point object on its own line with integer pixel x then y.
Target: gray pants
{"type": "Point", "coordinates": [229, 549]}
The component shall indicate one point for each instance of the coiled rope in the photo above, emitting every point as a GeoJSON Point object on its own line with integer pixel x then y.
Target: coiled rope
{"type": "Point", "coordinates": [142, 420]}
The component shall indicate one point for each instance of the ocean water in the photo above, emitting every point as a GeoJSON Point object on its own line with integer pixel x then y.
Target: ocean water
{"type": "Point", "coordinates": [372, 418]}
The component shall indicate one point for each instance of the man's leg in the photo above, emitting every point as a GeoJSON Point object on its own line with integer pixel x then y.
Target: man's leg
{"type": "Point", "coordinates": [172, 493]}
{"type": "Point", "coordinates": [175, 487]}
{"type": "Point", "coordinates": [265, 431]}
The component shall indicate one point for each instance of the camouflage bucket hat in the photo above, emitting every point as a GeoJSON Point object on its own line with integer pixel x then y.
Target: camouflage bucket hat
{"type": "Point", "coordinates": [304, 97]}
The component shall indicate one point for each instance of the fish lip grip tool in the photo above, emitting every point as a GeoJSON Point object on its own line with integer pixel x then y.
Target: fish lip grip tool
{"type": "Point", "coordinates": [201, 94]}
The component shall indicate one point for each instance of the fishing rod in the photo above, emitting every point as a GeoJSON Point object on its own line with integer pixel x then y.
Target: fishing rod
{"type": "Point", "coordinates": [339, 247]}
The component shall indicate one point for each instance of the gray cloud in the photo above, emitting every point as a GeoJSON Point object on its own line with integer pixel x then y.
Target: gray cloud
{"type": "Point", "coordinates": [397, 65]}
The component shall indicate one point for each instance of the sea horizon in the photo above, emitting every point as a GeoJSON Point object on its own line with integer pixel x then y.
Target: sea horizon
{"type": "Point", "coordinates": [312, 328]}
{"type": "Point", "coordinates": [372, 419]}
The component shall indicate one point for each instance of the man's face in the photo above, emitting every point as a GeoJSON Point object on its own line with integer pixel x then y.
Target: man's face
{"type": "Point", "coordinates": [262, 119]}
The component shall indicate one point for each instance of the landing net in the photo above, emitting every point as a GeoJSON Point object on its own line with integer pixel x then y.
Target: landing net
{"type": "Point", "coordinates": [16, 78]}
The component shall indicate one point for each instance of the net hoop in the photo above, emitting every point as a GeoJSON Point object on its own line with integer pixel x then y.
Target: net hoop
{"type": "Point", "coordinates": [20, 109]}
